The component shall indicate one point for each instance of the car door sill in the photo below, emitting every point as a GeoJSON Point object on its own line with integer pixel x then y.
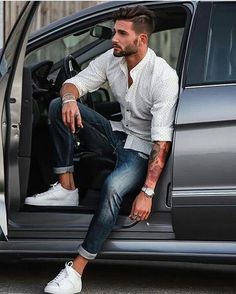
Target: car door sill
{"type": "Point", "coordinates": [194, 251]}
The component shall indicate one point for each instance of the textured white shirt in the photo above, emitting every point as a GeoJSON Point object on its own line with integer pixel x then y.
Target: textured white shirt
{"type": "Point", "coordinates": [147, 106]}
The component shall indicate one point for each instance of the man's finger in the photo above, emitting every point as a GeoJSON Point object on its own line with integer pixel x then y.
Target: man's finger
{"type": "Point", "coordinates": [142, 216]}
{"type": "Point", "coordinates": [146, 215]}
{"type": "Point", "coordinates": [136, 215]}
{"type": "Point", "coordinates": [132, 211]}
{"type": "Point", "coordinates": [78, 120]}
{"type": "Point", "coordinates": [72, 122]}
{"type": "Point", "coordinates": [68, 118]}
{"type": "Point", "coordinates": [64, 117]}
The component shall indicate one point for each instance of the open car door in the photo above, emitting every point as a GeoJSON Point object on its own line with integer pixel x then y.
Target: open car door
{"type": "Point", "coordinates": [11, 60]}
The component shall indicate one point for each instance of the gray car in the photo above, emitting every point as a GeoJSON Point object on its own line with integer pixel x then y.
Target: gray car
{"type": "Point", "coordinates": [194, 210]}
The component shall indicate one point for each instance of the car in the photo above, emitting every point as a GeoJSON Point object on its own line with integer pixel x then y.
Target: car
{"type": "Point", "coordinates": [194, 209]}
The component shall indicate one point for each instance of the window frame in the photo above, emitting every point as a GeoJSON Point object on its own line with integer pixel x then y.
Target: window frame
{"type": "Point", "coordinates": [194, 75]}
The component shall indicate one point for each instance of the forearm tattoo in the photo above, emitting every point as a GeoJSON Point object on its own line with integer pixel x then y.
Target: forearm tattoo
{"type": "Point", "coordinates": [156, 163]}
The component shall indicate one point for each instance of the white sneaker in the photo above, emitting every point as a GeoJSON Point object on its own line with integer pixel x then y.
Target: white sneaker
{"type": "Point", "coordinates": [55, 196]}
{"type": "Point", "coordinates": [68, 281]}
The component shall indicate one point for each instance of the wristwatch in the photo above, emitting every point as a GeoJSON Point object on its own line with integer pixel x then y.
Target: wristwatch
{"type": "Point", "coordinates": [149, 192]}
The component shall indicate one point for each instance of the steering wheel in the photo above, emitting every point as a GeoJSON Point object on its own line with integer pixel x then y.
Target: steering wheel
{"type": "Point", "coordinates": [71, 66]}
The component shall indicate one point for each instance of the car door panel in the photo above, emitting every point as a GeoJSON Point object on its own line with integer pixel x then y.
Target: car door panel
{"type": "Point", "coordinates": [204, 183]}
{"type": "Point", "coordinates": [204, 144]}
{"type": "Point", "coordinates": [8, 66]}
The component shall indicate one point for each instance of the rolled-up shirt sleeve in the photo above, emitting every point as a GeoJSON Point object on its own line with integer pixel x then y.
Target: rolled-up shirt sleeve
{"type": "Point", "coordinates": [163, 109]}
{"type": "Point", "coordinates": [92, 77]}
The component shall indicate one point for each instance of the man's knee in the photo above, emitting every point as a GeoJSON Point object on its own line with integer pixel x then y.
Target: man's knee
{"type": "Point", "coordinates": [85, 112]}
{"type": "Point", "coordinates": [54, 111]}
{"type": "Point", "coordinates": [111, 192]}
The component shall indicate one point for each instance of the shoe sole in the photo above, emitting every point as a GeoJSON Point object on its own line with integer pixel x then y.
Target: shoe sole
{"type": "Point", "coordinates": [57, 292]}
{"type": "Point", "coordinates": [49, 203]}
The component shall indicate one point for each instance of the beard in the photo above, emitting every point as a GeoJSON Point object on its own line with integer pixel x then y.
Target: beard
{"type": "Point", "coordinates": [127, 51]}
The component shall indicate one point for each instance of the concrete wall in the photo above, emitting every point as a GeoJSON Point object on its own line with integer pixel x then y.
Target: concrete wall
{"type": "Point", "coordinates": [1, 24]}
{"type": "Point", "coordinates": [48, 12]}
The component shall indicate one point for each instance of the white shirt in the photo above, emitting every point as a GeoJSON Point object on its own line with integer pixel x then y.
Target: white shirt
{"type": "Point", "coordinates": [147, 106]}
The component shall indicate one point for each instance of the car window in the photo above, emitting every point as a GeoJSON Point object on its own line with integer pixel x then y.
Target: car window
{"type": "Point", "coordinates": [166, 44]}
{"type": "Point", "coordinates": [213, 52]}
{"type": "Point", "coordinates": [58, 49]}
{"type": "Point", "coordinates": [221, 47]}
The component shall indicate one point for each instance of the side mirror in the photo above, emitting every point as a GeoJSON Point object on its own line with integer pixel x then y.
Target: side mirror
{"type": "Point", "coordinates": [101, 32]}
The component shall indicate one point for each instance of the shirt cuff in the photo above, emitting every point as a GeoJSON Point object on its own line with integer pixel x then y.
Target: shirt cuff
{"type": "Point", "coordinates": [162, 134]}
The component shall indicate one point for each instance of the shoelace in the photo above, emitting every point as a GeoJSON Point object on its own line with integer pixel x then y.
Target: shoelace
{"type": "Point", "coordinates": [52, 187]}
{"type": "Point", "coordinates": [61, 276]}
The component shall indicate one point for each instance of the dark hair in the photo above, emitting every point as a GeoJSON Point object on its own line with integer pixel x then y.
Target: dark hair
{"type": "Point", "coordinates": [142, 18]}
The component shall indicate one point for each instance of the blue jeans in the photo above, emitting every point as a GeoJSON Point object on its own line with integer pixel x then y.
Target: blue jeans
{"type": "Point", "coordinates": [128, 175]}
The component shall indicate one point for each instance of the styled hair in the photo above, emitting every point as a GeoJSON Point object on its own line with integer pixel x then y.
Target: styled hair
{"type": "Point", "coordinates": [142, 18]}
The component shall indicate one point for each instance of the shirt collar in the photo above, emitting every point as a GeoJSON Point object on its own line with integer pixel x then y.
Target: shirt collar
{"type": "Point", "coordinates": [138, 66]}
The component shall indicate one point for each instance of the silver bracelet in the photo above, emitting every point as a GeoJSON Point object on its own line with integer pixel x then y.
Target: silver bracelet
{"type": "Point", "coordinates": [67, 101]}
{"type": "Point", "coordinates": [68, 96]}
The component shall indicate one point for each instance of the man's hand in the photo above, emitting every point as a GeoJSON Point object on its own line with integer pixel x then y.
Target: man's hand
{"type": "Point", "coordinates": [71, 115]}
{"type": "Point", "coordinates": [141, 207]}
{"type": "Point", "coordinates": [70, 111]}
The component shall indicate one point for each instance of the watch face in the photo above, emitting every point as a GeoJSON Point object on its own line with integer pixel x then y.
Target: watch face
{"type": "Point", "coordinates": [149, 191]}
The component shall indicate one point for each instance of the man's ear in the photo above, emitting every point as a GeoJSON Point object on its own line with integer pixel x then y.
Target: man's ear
{"type": "Point", "coordinates": [144, 38]}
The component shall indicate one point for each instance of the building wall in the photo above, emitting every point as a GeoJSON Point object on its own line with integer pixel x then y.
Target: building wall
{"type": "Point", "coordinates": [48, 12]}
{"type": "Point", "coordinates": [1, 24]}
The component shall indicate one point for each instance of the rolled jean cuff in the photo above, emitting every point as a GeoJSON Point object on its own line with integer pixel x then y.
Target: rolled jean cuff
{"type": "Point", "coordinates": [64, 169]}
{"type": "Point", "coordinates": [84, 253]}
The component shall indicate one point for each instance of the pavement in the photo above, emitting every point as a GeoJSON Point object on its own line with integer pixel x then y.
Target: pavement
{"type": "Point", "coordinates": [104, 277]}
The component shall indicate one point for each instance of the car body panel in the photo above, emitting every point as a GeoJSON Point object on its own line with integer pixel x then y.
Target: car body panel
{"type": "Point", "coordinates": [204, 186]}
{"type": "Point", "coordinates": [202, 130]}
{"type": "Point", "coordinates": [181, 251]}
{"type": "Point", "coordinates": [7, 65]}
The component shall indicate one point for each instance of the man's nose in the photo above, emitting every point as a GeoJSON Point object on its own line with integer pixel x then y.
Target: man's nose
{"type": "Point", "coordinates": [114, 38]}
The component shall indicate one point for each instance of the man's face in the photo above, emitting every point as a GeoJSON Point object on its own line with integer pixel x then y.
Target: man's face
{"type": "Point", "coordinates": [125, 41]}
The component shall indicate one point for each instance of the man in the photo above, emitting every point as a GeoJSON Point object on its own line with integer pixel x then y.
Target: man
{"type": "Point", "coordinates": [146, 88]}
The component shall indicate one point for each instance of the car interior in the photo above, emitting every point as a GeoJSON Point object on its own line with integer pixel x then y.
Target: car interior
{"type": "Point", "coordinates": [43, 76]}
